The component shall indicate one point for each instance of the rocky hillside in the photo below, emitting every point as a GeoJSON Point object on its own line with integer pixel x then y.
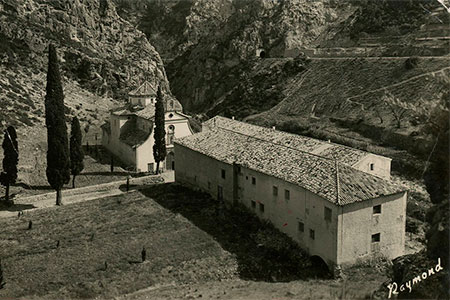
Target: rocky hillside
{"type": "Point", "coordinates": [101, 54]}
{"type": "Point", "coordinates": [173, 26]}
{"type": "Point", "coordinates": [206, 71]}
{"type": "Point", "coordinates": [210, 47]}
{"type": "Point", "coordinates": [102, 57]}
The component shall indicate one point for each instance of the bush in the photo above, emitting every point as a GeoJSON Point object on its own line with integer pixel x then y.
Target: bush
{"type": "Point", "coordinates": [411, 62]}
{"type": "Point", "coordinates": [412, 225]}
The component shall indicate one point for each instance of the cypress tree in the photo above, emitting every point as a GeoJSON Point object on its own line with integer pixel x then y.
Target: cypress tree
{"type": "Point", "coordinates": [159, 148]}
{"type": "Point", "coordinates": [58, 164]}
{"type": "Point", "coordinates": [76, 151]}
{"type": "Point", "coordinates": [10, 159]}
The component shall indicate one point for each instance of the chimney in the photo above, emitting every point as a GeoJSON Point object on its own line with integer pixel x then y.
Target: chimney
{"type": "Point", "coordinates": [232, 118]}
{"type": "Point", "coordinates": [274, 128]}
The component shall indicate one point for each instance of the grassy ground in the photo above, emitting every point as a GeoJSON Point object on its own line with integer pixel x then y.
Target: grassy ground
{"type": "Point", "coordinates": [32, 178]}
{"type": "Point", "coordinates": [192, 247]}
{"type": "Point", "coordinates": [112, 230]}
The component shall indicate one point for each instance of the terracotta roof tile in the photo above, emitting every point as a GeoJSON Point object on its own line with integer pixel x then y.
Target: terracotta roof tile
{"type": "Point", "coordinates": [342, 153]}
{"type": "Point", "coordinates": [325, 177]}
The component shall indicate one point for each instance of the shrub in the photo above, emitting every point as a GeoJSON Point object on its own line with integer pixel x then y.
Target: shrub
{"type": "Point", "coordinates": [411, 62]}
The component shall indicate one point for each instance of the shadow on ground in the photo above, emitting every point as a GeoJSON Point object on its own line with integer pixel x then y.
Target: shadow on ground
{"type": "Point", "coordinates": [123, 187]}
{"type": "Point", "coordinates": [105, 173]}
{"type": "Point", "coordinates": [32, 187]}
{"type": "Point", "coordinates": [16, 207]}
{"type": "Point", "coordinates": [263, 252]}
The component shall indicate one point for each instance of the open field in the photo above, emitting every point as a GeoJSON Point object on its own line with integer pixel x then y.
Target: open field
{"type": "Point", "coordinates": [193, 246]}
{"type": "Point", "coordinates": [111, 230]}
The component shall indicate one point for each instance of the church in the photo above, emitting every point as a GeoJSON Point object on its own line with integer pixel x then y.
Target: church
{"type": "Point", "coordinates": [128, 134]}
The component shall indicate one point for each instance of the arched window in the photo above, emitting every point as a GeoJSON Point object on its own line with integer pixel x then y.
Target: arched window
{"type": "Point", "coordinates": [170, 134]}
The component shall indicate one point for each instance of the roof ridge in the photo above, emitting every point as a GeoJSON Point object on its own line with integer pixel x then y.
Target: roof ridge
{"type": "Point", "coordinates": [294, 135]}
{"type": "Point", "coordinates": [273, 143]}
{"type": "Point", "coordinates": [145, 84]}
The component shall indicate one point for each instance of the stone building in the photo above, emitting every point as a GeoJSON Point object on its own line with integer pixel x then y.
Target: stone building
{"type": "Point", "coordinates": [324, 196]}
{"type": "Point", "coordinates": [128, 134]}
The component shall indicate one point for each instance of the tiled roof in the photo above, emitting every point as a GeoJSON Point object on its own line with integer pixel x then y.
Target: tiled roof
{"type": "Point", "coordinates": [343, 154]}
{"type": "Point", "coordinates": [122, 111]}
{"type": "Point", "coordinates": [145, 89]}
{"type": "Point", "coordinates": [337, 182]}
{"type": "Point", "coordinates": [148, 112]}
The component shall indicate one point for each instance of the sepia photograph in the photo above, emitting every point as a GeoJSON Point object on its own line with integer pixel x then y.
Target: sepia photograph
{"type": "Point", "coordinates": [224, 149]}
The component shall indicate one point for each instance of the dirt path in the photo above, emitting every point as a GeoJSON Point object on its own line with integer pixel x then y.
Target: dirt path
{"type": "Point", "coordinates": [71, 196]}
{"type": "Point", "coordinates": [432, 73]}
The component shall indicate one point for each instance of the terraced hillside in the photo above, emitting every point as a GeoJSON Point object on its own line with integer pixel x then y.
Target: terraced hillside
{"type": "Point", "coordinates": [353, 88]}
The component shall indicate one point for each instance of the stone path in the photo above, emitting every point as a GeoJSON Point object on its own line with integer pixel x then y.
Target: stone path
{"type": "Point", "coordinates": [70, 196]}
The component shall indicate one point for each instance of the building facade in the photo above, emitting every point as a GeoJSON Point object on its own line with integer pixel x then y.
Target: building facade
{"type": "Point", "coordinates": [330, 208]}
{"type": "Point", "coordinates": [128, 134]}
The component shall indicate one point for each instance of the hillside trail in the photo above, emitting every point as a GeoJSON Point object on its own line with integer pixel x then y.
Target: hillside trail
{"type": "Point", "coordinates": [299, 83]}
{"type": "Point", "coordinates": [83, 194]}
{"type": "Point", "coordinates": [432, 73]}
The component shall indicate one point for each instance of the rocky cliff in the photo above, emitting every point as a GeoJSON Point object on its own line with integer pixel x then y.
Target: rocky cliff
{"type": "Point", "coordinates": [101, 54]}
{"type": "Point", "coordinates": [207, 69]}
{"type": "Point", "coordinates": [102, 57]}
{"type": "Point", "coordinates": [211, 47]}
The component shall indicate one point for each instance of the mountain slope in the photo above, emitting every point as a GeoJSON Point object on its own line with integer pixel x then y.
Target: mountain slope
{"type": "Point", "coordinates": [102, 57]}
{"type": "Point", "coordinates": [207, 69]}
{"type": "Point", "coordinates": [100, 52]}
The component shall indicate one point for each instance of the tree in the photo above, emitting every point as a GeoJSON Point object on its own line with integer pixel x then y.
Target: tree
{"type": "Point", "coordinates": [10, 159]}
{"type": "Point", "coordinates": [76, 150]}
{"type": "Point", "coordinates": [58, 164]}
{"type": "Point", "coordinates": [395, 106]}
{"type": "Point", "coordinates": [159, 148]}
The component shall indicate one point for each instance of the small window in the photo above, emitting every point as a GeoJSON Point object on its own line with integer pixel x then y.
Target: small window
{"type": "Point", "coordinates": [239, 170]}
{"type": "Point", "coordinates": [195, 178]}
{"type": "Point", "coordinates": [287, 194]}
{"type": "Point", "coordinates": [301, 227]}
{"type": "Point", "coordinates": [223, 173]}
{"type": "Point", "coordinates": [372, 166]}
{"type": "Point", "coordinates": [253, 180]}
{"type": "Point", "coordinates": [375, 238]}
{"type": "Point", "coordinates": [253, 204]}
{"type": "Point", "coordinates": [327, 214]}
{"type": "Point", "coordinates": [261, 207]}
{"type": "Point", "coordinates": [377, 209]}
{"type": "Point", "coordinates": [275, 191]}
{"type": "Point", "coordinates": [311, 234]}
{"type": "Point", "coordinates": [209, 185]}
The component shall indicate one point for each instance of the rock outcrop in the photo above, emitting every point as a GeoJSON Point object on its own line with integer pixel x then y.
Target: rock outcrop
{"type": "Point", "coordinates": [205, 72]}
{"type": "Point", "coordinates": [100, 52]}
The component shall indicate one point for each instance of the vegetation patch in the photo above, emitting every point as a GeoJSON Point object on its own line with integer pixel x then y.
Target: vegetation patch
{"type": "Point", "coordinates": [389, 16]}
